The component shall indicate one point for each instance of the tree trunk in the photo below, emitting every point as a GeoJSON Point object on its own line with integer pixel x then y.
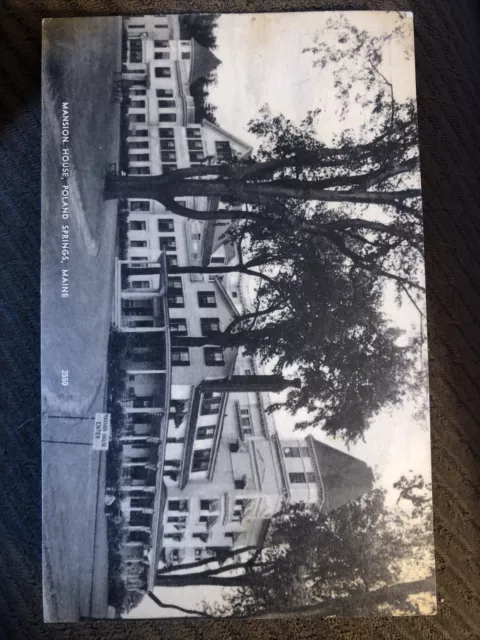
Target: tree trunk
{"type": "Point", "coordinates": [156, 187]}
{"type": "Point", "coordinates": [208, 270]}
{"type": "Point", "coordinates": [356, 604]}
{"type": "Point", "coordinates": [205, 578]}
{"type": "Point", "coordinates": [207, 581]}
{"type": "Point", "coordinates": [205, 561]}
{"type": "Point", "coordinates": [223, 339]}
{"type": "Point", "coordinates": [255, 383]}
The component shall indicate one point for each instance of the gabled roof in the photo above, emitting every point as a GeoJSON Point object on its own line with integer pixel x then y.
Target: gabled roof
{"type": "Point", "coordinates": [226, 134]}
{"type": "Point", "coordinates": [344, 477]}
{"type": "Point", "coordinates": [203, 61]}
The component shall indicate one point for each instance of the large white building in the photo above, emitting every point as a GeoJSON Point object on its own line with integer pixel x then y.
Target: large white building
{"type": "Point", "coordinates": [203, 467]}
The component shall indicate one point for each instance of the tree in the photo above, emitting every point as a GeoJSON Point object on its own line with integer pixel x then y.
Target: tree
{"type": "Point", "coordinates": [201, 27]}
{"type": "Point", "coordinates": [327, 324]}
{"type": "Point", "coordinates": [347, 562]}
{"type": "Point", "coordinates": [347, 212]}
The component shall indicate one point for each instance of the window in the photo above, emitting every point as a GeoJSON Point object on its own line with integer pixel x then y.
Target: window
{"type": "Point", "coordinates": [210, 404]}
{"type": "Point", "coordinates": [178, 326]}
{"type": "Point", "coordinates": [214, 356]}
{"type": "Point", "coordinates": [224, 150]}
{"type": "Point", "coordinates": [201, 536]}
{"type": "Point", "coordinates": [166, 225]}
{"type": "Point", "coordinates": [166, 132]}
{"type": "Point", "coordinates": [206, 299]}
{"type": "Point", "coordinates": [198, 554]}
{"type": "Point", "coordinates": [234, 294]}
{"type": "Point", "coordinates": [304, 452]}
{"type": "Point", "coordinates": [203, 519]}
{"type": "Point", "coordinates": [180, 356]}
{"type": "Point", "coordinates": [218, 260]}
{"type": "Point", "coordinates": [137, 225]}
{"type": "Point", "coordinates": [136, 53]}
{"type": "Point", "coordinates": [136, 117]}
{"type": "Point", "coordinates": [139, 205]}
{"type": "Point", "coordinates": [136, 26]}
{"type": "Point", "coordinates": [164, 93]}
{"type": "Point", "coordinates": [209, 325]}
{"type": "Point", "coordinates": [167, 144]}
{"type": "Point", "coordinates": [201, 459]}
{"type": "Point", "coordinates": [178, 505]}
{"type": "Point", "coordinates": [168, 156]}
{"type": "Point", "coordinates": [167, 117]}
{"type": "Point", "coordinates": [141, 144]}
{"type": "Point", "coordinates": [175, 440]}
{"type": "Point", "coordinates": [160, 44]}
{"type": "Point", "coordinates": [167, 168]}
{"type": "Point", "coordinates": [167, 244]}
{"type": "Point", "coordinates": [195, 145]}
{"type": "Point", "coordinates": [175, 300]}
{"type": "Point", "coordinates": [161, 55]}
{"type": "Point", "coordinates": [240, 484]}
{"type": "Point", "coordinates": [138, 243]}
{"type": "Point", "coordinates": [138, 133]}
{"type": "Point", "coordinates": [175, 283]}
{"type": "Point", "coordinates": [185, 55]}
{"type": "Point", "coordinates": [172, 261]}
{"type": "Point", "coordinates": [139, 171]}
{"type": "Point", "coordinates": [140, 502]}
{"type": "Point", "coordinates": [140, 284]}
{"type": "Point", "coordinates": [163, 72]}
{"type": "Point", "coordinates": [193, 132]}
{"type": "Point", "coordinates": [178, 537]}
{"type": "Point", "coordinates": [177, 519]}
{"type": "Point", "coordinates": [166, 104]}
{"type": "Point", "coordinates": [195, 156]}
{"type": "Point", "coordinates": [205, 433]}
{"type": "Point", "coordinates": [138, 92]}
{"type": "Point", "coordinates": [296, 478]}
{"type": "Point", "coordinates": [137, 104]}
{"type": "Point", "coordinates": [139, 260]}
{"type": "Point", "coordinates": [139, 157]}
{"type": "Point", "coordinates": [291, 452]}
{"type": "Point", "coordinates": [247, 372]}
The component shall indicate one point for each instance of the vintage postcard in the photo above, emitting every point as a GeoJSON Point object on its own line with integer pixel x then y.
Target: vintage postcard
{"type": "Point", "coordinates": [234, 350]}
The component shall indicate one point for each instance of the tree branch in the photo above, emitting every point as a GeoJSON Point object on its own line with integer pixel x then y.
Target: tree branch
{"type": "Point", "coordinates": [370, 266]}
{"type": "Point", "coordinates": [164, 605]}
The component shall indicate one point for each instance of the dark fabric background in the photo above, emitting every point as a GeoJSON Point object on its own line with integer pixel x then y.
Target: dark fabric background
{"type": "Point", "coordinates": [448, 78]}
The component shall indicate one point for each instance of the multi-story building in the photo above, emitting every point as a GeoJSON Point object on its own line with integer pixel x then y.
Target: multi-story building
{"type": "Point", "coordinates": [203, 466]}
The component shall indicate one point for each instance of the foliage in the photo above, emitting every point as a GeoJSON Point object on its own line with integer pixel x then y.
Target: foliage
{"type": "Point", "coordinates": [322, 228]}
{"type": "Point", "coordinates": [199, 90]}
{"type": "Point", "coordinates": [201, 27]}
{"type": "Point", "coordinates": [347, 562]}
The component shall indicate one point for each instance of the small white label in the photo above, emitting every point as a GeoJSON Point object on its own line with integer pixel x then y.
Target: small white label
{"type": "Point", "coordinates": [101, 431]}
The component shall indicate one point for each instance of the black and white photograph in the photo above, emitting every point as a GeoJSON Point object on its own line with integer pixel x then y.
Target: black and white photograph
{"type": "Point", "coordinates": [235, 405]}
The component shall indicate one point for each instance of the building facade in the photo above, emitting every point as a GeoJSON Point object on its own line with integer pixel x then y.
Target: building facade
{"type": "Point", "coordinates": [203, 466]}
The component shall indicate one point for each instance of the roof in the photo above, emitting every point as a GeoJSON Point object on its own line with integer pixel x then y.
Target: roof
{"type": "Point", "coordinates": [344, 477]}
{"type": "Point", "coordinates": [223, 132]}
{"type": "Point", "coordinates": [203, 61]}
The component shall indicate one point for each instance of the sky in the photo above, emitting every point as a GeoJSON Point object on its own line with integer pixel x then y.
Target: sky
{"type": "Point", "coordinates": [263, 63]}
